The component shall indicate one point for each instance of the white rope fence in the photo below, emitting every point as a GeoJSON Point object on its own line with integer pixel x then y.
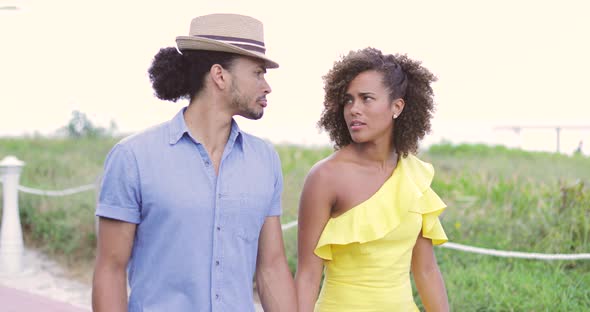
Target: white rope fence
{"type": "Point", "coordinates": [287, 226]}
{"type": "Point", "coordinates": [65, 192]}
{"type": "Point", "coordinates": [516, 254]}
{"type": "Point", "coordinates": [11, 168]}
{"type": "Point", "coordinates": [494, 252]}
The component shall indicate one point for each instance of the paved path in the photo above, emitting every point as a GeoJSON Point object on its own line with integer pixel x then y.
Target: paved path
{"type": "Point", "coordinates": [43, 282]}
{"type": "Point", "coordinates": [43, 286]}
{"type": "Point", "coordinates": [13, 300]}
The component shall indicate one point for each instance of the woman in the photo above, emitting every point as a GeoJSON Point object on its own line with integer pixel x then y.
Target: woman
{"type": "Point", "coordinates": [367, 212]}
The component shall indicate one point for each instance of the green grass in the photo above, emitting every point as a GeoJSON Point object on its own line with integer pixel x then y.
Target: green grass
{"type": "Point", "coordinates": [498, 198]}
{"type": "Point", "coordinates": [60, 226]}
{"type": "Point", "coordinates": [483, 283]}
{"type": "Point", "coordinates": [502, 199]}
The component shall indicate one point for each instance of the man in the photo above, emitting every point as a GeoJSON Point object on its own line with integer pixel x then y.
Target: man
{"type": "Point", "coordinates": [191, 207]}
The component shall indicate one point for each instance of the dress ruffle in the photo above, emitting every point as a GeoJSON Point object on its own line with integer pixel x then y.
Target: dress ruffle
{"type": "Point", "coordinates": [408, 189]}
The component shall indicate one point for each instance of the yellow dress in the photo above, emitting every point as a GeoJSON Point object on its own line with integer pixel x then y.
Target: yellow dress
{"type": "Point", "coordinates": [367, 251]}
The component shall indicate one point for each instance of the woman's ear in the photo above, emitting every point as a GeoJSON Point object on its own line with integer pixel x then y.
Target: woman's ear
{"type": "Point", "coordinates": [397, 107]}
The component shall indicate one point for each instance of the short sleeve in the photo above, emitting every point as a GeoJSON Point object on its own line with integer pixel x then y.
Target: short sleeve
{"type": "Point", "coordinates": [275, 205]}
{"type": "Point", "coordinates": [431, 207]}
{"type": "Point", "coordinates": [120, 196]}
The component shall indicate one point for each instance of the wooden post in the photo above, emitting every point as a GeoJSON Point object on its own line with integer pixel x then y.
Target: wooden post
{"type": "Point", "coordinates": [11, 239]}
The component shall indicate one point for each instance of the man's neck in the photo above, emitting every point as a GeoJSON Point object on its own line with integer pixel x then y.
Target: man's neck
{"type": "Point", "coordinates": [209, 124]}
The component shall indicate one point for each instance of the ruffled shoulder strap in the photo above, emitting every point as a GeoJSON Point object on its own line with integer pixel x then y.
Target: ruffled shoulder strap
{"type": "Point", "coordinates": [368, 221]}
{"type": "Point", "coordinates": [408, 189]}
{"type": "Point", "coordinates": [419, 172]}
{"type": "Point", "coordinates": [428, 203]}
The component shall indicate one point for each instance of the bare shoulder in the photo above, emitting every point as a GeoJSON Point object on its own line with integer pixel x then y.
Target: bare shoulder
{"type": "Point", "coordinates": [326, 170]}
{"type": "Point", "coordinates": [324, 180]}
{"type": "Point", "coordinates": [318, 196]}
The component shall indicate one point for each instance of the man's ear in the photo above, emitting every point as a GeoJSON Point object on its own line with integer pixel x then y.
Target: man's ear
{"type": "Point", "coordinates": [219, 76]}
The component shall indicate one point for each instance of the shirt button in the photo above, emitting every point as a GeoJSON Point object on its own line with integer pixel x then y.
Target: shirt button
{"type": "Point", "coordinates": [217, 262]}
{"type": "Point", "coordinates": [219, 228]}
{"type": "Point", "coordinates": [216, 296]}
{"type": "Point", "coordinates": [206, 163]}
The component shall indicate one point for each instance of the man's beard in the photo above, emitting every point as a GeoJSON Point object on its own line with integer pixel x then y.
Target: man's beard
{"type": "Point", "coordinates": [241, 103]}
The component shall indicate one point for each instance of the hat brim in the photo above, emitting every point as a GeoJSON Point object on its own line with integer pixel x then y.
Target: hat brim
{"type": "Point", "coordinates": [199, 43]}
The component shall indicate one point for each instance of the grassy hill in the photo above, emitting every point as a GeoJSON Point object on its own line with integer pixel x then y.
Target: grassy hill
{"type": "Point", "coordinates": [498, 198]}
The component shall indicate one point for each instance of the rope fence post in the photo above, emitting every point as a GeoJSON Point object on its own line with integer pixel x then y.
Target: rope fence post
{"type": "Point", "coordinates": [11, 236]}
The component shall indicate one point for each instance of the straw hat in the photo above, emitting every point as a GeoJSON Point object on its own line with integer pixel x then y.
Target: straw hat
{"type": "Point", "coordinates": [226, 33]}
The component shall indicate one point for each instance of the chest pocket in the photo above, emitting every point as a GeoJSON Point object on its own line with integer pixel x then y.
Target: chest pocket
{"type": "Point", "coordinates": [245, 214]}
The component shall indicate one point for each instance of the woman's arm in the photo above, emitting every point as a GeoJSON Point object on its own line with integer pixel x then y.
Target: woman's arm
{"type": "Point", "coordinates": [314, 211]}
{"type": "Point", "coordinates": [427, 276]}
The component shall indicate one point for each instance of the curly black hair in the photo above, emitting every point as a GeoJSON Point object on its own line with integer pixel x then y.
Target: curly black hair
{"type": "Point", "coordinates": [405, 78]}
{"type": "Point", "coordinates": [175, 76]}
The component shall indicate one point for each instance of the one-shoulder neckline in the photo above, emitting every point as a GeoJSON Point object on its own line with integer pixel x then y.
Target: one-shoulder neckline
{"type": "Point", "coordinates": [379, 190]}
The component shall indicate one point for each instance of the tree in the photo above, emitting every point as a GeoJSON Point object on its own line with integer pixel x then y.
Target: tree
{"type": "Point", "coordinates": [80, 126]}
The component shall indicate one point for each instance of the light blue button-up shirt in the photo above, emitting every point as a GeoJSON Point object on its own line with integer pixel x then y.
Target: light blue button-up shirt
{"type": "Point", "coordinates": [197, 232]}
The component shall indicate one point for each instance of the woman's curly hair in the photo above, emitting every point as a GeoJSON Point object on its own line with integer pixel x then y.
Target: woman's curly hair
{"type": "Point", "coordinates": [405, 78]}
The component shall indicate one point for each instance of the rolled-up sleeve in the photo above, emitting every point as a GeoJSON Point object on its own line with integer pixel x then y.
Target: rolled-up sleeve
{"type": "Point", "coordinates": [276, 207]}
{"type": "Point", "coordinates": [120, 196]}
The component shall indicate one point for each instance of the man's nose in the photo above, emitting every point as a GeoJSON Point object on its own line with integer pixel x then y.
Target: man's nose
{"type": "Point", "coordinates": [266, 87]}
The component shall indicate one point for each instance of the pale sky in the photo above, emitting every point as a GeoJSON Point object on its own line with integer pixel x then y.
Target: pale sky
{"type": "Point", "coordinates": [498, 62]}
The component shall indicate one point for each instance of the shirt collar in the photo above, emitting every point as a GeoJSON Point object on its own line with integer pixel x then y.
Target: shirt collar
{"type": "Point", "coordinates": [235, 136]}
{"type": "Point", "coordinates": [178, 128]}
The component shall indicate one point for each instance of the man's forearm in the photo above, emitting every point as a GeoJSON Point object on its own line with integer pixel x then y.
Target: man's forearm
{"type": "Point", "coordinates": [276, 289]}
{"type": "Point", "coordinates": [109, 291]}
